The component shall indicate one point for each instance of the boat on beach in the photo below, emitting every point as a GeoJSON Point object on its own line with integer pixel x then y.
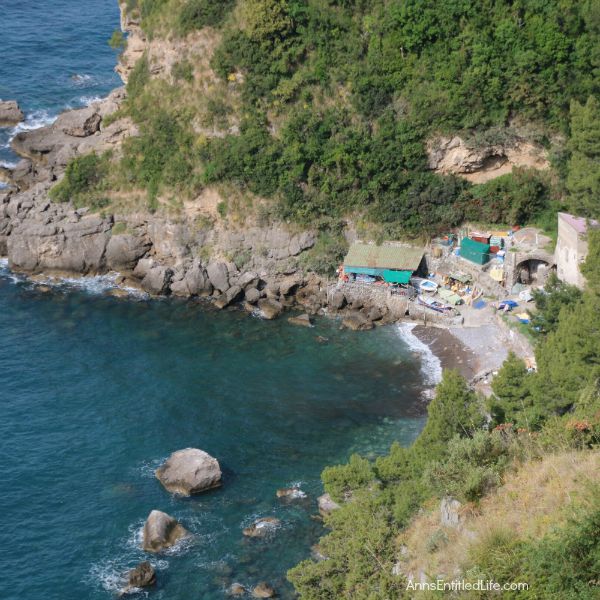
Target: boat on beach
{"type": "Point", "coordinates": [435, 305]}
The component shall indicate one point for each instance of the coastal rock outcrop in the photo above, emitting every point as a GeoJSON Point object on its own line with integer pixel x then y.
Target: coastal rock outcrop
{"type": "Point", "coordinates": [262, 527]}
{"type": "Point", "coordinates": [270, 309]}
{"type": "Point", "coordinates": [157, 280]}
{"type": "Point", "coordinates": [189, 471]}
{"type": "Point", "coordinates": [356, 321]}
{"type": "Point", "coordinates": [10, 113]}
{"type": "Point", "coordinates": [263, 590]}
{"type": "Point", "coordinates": [81, 122]}
{"type": "Point", "coordinates": [123, 251]}
{"type": "Point", "coordinates": [326, 504]}
{"type": "Point", "coordinates": [141, 576]}
{"type": "Point", "coordinates": [45, 236]}
{"type": "Point", "coordinates": [218, 274]}
{"type": "Point", "coordinates": [161, 531]}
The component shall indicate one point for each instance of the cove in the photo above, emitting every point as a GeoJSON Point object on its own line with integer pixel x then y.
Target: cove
{"type": "Point", "coordinates": [96, 392]}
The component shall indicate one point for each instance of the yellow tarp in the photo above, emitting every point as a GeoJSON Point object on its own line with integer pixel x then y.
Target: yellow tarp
{"type": "Point", "coordinates": [497, 274]}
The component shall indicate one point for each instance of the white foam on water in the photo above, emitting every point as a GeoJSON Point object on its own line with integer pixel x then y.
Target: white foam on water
{"type": "Point", "coordinates": [7, 164]}
{"type": "Point", "coordinates": [34, 120]}
{"type": "Point", "coordinates": [431, 366]}
{"type": "Point", "coordinates": [87, 100]}
{"type": "Point", "coordinates": [109, 574]}
{"type": "Point", "coordinates": [148, 468]}
{"type": "Point", "coordinates": [82, 79]}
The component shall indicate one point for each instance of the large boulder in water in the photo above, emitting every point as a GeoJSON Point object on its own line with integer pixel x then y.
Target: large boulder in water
{"type": "Point", "coordinates": [161, 531]}
{"type": "Point", "coordinates": [270, 309]}
{"type": "Point", "coordinates": [189, 471]}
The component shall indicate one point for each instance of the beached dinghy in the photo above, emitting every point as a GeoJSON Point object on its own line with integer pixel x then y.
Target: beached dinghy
{"type": "Point", "coordinates": [428, 286]}
{"type": "Point", "coordinates": [433, 304]}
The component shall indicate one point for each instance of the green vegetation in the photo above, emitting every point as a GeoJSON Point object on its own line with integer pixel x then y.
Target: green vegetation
{"type": "Point", "coordinates": [583, 181]}
{"type": "Point", "coordinates": [196, 14]}
{"type": "Point", "coordinates": [339, 98]}
{"type": "Point", "coordinates": [333, 103]}
{"type": "Point", "coordinates": [117, 40]}
{"type": "Point", "coordinates": [84, 182]}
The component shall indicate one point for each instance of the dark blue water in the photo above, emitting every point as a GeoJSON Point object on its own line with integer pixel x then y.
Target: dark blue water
{"type": "Point", "coordinates": [95, 392]}
{"type": "Point", "coordinates": [54, 55]}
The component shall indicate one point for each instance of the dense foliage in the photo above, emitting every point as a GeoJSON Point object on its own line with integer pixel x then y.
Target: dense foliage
{"type": "Point", "coordinates": [339, 98]}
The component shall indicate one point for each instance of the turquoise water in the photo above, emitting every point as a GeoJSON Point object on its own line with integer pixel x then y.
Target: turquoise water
{"type": "Point", "coordinates": [96, 392]}
{"type": "Point", "coordinates": [54, 55]}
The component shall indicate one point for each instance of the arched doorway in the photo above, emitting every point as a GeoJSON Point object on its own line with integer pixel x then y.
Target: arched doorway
{"type": "Point", "coordinates": [533, 271]}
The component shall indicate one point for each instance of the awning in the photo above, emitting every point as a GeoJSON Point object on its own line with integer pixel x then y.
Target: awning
{"type": "Point", "coordinates": [364, 271]}
{"type": "Point", "coordinates": [397, 276]}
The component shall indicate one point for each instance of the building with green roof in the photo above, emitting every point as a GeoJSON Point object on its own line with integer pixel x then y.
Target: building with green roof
{"type": "Point", "coordinates": [394, 264]}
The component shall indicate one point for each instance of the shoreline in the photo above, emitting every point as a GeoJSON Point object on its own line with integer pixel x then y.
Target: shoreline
{"type": "Point", "coordinates": [476, 351]}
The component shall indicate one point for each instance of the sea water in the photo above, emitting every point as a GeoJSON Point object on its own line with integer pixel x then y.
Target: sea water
{"type": "Point", "coordinates": [95, 393]}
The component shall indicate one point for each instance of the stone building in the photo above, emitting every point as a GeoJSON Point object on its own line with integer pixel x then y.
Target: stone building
{"type": "Point", "coordinates": [572, 247]}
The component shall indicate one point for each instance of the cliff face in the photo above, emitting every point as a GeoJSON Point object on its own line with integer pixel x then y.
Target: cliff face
{"type": "Point", "coordinates": [191, 253]}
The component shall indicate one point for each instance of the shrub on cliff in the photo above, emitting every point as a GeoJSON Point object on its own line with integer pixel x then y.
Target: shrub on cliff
{"type": "Point", "coordinates": [196, 14]}
{"type": "Point", "coordinates": [82, 182]}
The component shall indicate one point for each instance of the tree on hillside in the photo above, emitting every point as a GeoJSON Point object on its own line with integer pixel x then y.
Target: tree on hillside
{"type": "Point", "coordinates": [512, 394]}
{"type": "Point", "coordinates": [569, 359]}
{"type": "Point", "coordinates": [266, 19]}
{"type": "Point", "coordinates": [456, 409]}
{"type": "Point", "coordinates": [550, 301]}
{"type": "Point", "coordinates": [583, 180]}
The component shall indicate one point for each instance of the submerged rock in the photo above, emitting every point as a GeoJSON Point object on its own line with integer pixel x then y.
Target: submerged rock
{"type": "Point", "coordinates": [357, 322]}
{"type": "Point", "coordinates": [263, 590]}
{"type": "Point", "coordinates": [293, 493]}
{"type": "Point", "coordinates": [326, 504]}
{"type": "Point", "coordinates": [301, 320]}
{"type": "Point", "coordinates": [161, 531]}
{"type": "Point", "coordinates": [189, 471]}
{"type": "Point", "coordinates": [236, 589]}
{"type": "Point", "coordinates": [262, 527]}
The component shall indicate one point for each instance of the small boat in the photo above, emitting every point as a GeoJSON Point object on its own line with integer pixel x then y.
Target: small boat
{"type": "Point", "coordinates": [433, 304]}
{"type": "Point", "coordinates": [428, 286]}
